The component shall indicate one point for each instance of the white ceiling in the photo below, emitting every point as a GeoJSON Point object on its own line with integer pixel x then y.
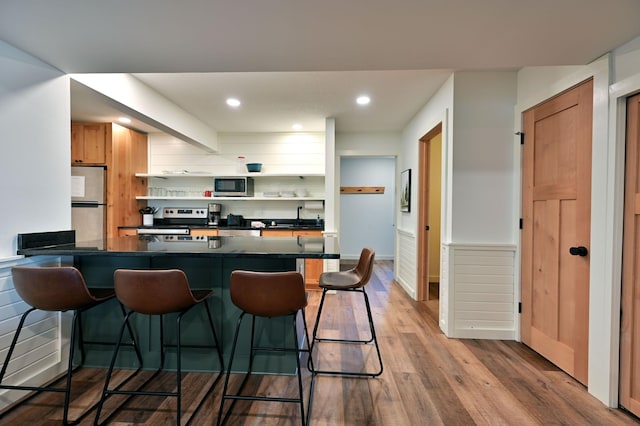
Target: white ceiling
{"type": "Point", "coordinates": [300, 60]}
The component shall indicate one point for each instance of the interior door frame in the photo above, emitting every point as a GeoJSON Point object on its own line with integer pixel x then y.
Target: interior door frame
{"type": "Point", "coordinates": [422, 285]}
{"type": "Point", "coordinates": [607, 208]}
{"type": "Point", "coordinates": [618, 116]}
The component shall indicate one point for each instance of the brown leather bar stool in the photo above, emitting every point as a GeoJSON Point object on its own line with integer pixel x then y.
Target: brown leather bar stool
{"type": "Point", "coordinates": [159, 292]}
{"type": "Point", "coordinates": [268, 295]}
{"type": "Point", "coordinates": [353, 280]}
{"type": "Point", "coordinates": [57, 289]}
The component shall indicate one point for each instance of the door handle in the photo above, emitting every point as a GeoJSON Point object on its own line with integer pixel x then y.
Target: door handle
{"type": "Point", "coordinates": [578, 251]}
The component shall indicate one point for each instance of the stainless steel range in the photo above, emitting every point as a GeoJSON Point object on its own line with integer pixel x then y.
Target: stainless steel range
{"type": "Point", "coordinates": [176, 221]}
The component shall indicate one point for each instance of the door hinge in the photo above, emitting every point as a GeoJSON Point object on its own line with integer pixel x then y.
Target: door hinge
{"type": "Point", "coordinates": [521, 134]}
{"type": "Point", "coordinates": [521, 224]}
{"type": "Point", "coordinates": [519, 307]}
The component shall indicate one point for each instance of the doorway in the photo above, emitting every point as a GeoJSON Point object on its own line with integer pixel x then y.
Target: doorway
{"type": "Point", "coordinates": [429, 214]}
{"type": "Point", "coordinates": [367, 219]}
{"type": "Point", "coordinates": [556, 222]}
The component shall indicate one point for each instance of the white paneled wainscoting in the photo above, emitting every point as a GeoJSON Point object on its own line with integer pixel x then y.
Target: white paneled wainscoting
{"type": "Point", "coordinates": [477, 287]}
{"type": "Point", "coordinates": [481, 302]}
{"type": "Point", "coordinates": [42, 351]}
{"type": "Point", "coordinates": [406, 267]}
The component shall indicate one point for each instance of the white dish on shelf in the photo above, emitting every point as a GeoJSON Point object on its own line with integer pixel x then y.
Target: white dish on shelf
{"type": "Point", "coordinates": [183, 172]}
{"type": "Point", "coordinates": [271, 194]}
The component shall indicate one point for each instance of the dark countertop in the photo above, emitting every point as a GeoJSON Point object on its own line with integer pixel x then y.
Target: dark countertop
{"type": "Point", "coordinates": [152, 245]}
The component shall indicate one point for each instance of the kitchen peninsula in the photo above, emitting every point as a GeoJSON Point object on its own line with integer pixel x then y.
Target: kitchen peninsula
{"type": "Point", "coordinates": [208, 263]}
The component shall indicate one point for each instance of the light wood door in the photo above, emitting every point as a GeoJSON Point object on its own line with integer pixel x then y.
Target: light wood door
{"type": "Point", "coordinates": [428, 188]}
{"type": "Point", "coordinates": [556, 197]}
{"type": "Point", "coordinates": [630, 323]}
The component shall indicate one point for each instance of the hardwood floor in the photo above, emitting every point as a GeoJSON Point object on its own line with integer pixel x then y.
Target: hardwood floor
{"type": "Point", "coordinates": [427, 379]}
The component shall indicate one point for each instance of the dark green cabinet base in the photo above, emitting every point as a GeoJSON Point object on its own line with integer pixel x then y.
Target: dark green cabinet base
{"type": "Point", "coordinates": [103, 322]}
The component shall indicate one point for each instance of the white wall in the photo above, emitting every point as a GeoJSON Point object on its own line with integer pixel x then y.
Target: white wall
{"type": "Point", "coordinates": [475, 109]}
{"type": "Point", "coordinates": [34, 138]}
{"type": "Point", "coordinates": [437, 110]}
{"type": "Point", "coordinates": [35, 193]}
{"type": "Point", "coordinates": [626, 60]}
{"type": "Point", "coordinates": [367, 220]}
{"type": "Point", "coordinates": [295, 152]}
{"type": "Point", "coordinates": [483, 144]}
{"type": "Point", "coordinates": [148, 106]}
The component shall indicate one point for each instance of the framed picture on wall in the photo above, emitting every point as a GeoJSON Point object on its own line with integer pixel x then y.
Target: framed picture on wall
{"type": "Point", "coordinates": [405, 191]}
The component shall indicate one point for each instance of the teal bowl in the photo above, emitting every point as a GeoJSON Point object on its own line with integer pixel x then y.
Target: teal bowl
{"type": "Point", "coordinates": [254, 167]}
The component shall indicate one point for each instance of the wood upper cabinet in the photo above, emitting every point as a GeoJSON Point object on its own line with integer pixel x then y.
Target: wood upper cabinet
{"type": "Point", "coordinates": [123, 152]}
{"type": "Point", "coordinates": [127, 156]}
{"type": "Point", "coordinates": [89, 143]}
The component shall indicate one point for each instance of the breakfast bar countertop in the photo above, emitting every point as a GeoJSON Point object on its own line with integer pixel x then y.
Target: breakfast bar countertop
{"type": "Point", "coordinates": [157, 245]}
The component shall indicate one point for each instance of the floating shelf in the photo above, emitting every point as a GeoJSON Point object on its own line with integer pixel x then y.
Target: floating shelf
{"type": "Point", "coordinates": [210, 175]}
{"type": "Point", "coordinates": [213, 199]}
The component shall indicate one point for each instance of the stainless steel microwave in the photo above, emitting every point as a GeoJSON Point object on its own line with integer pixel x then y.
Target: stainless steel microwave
{"type": "Point", "coordinates": [232, 187]}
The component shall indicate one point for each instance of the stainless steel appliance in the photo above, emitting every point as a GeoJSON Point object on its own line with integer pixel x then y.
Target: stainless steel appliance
{"type": "Point", "coordinates": [176, 221]}
{"type": "Point", "coordinates": [214, 214]}
{"type": "Point", "coordinates": [88, 203]}
{"type": "Point", "coordinates": [232, 187]}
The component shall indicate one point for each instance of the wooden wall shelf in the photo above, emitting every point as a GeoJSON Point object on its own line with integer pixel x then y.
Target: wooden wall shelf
{"type": "Point", "coordinates": [362, 189]}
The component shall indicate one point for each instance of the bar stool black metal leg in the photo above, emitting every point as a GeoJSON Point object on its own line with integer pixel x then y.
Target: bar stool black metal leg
{"type": "Point", "coordinates": [133, 339]}
{"type": "Point", "coordinates": [373, 338]}
{"type": "Point", "coordinates": [13, 346]}
{"type": "Point", "coordinates": [80, 339]}
{"type": "Point", "coordinates": [298, 371]}
{"type": "Point", "coordinates": [309, 362]}
{"type": "Point", "coordinates": [215, 338]}
{"type": "Point", "coordinates": [226, 379]}
{"type": "Point", "coordinates": [179, 370]}
{"type": "Point", "coordinates": [105, 389]}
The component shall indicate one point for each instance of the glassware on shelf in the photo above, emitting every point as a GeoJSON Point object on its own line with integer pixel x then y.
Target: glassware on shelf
{"type": "Point", "coordinates": [241, 166]}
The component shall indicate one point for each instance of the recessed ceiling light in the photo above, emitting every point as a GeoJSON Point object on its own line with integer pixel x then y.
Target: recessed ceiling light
{"type": "Point", "coordinates": [124, 120]}
{"type": "Point", "coordinates": [297, 126]}
{"type": "Point", "coordinates": [233, 102]}
{"type": "Point", "coordinates": [363, 100]}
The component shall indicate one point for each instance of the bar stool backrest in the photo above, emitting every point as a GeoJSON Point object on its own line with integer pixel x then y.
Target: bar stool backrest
{"type": "Point", "coordinates": [153, 292]}
{"type": "Point", "coordinates": [57, 288]}
{"type": "Point", "coordinates": [365, 266]}
{"type": "Point", "coordinates": [268, 294]}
